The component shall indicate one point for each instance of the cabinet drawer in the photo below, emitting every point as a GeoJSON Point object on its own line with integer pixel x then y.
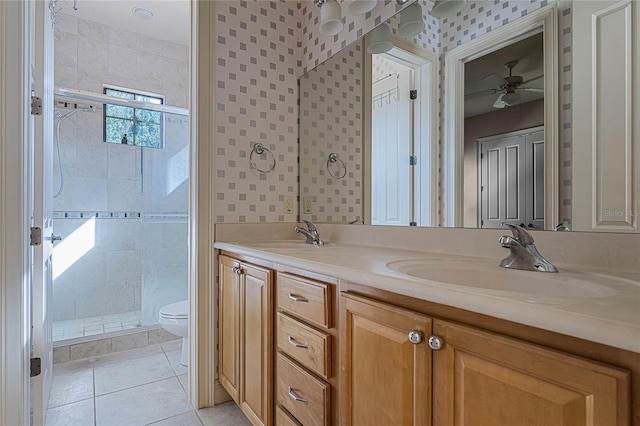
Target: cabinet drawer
{"type": "Point", "coordinates": [309, 347]}
{"type": "Point", "coordinates": [304, 396]}
{"type": "Point", "coordinates": [307, 299]}
{"type": "Point", "coordinates": [283, 418]}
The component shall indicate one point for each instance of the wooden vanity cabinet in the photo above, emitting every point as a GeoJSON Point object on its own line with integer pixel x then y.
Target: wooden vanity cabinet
{"type": "Point", "coordinates": [245, 340]}
{"type": "Point", "coordinates": [305, 336]}
{"type": "Point", "coordinates": [471, 377]}
{"type": "Point", "coordinates": [482, 378]}
{"type": "Point", "coordinates": [387, 377]}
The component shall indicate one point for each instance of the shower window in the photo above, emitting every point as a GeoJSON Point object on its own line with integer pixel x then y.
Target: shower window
{"type": "Point", "coordinates": [133, 126]}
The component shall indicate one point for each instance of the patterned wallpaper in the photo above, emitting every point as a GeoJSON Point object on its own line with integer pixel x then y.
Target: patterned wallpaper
{"type": "Point", "coordinates": [256, 102]}
{"type": "Point", "coordinates": [332, 123]}
{"type": "Point", "coordinates": [264, 46]}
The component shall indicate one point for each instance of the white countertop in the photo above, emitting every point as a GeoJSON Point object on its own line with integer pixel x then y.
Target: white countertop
{"type": "Point", "coordinates": [608, 314]}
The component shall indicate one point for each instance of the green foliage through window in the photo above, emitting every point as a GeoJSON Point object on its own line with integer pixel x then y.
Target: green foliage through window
{"type": "Point", "coordinates": [135, 126]}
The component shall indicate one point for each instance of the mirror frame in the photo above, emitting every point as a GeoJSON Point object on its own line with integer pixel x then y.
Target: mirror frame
{"type": "Point", "coordinates": [453, 114]}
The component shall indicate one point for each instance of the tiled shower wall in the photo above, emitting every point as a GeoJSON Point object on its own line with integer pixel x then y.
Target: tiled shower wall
{"type": "Point", "coordinates": [260, 55]}
{"type": "Point", "coordinates": [101, 261]}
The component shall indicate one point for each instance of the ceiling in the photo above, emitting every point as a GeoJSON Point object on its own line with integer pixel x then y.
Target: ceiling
{"type": "Point", "coordinates": [528, 53]}
{"type": "Point", "coordinates": [171, 21]}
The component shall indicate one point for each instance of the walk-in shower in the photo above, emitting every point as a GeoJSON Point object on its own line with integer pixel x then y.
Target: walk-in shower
{"type": "Point", "coordinates": [121, 209]}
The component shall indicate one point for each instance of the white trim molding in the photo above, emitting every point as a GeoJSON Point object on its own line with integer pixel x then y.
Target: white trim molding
{"type": "Point", "coordinates": [546, 19]}
{"type": "Point", "coordinates": [15, 49]}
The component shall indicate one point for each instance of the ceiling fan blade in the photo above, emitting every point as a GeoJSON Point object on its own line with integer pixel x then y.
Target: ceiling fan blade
{"type": "Point", "coordinates": [499, 103]}
{"type": "Point", "coordinates": [530, 89]}
{"type": "Point", "coordinates": [479, 94]}
{"type": "Point", "coordinates": [495, 80]}
{"type": "Point", "coordinates": [533, 79]}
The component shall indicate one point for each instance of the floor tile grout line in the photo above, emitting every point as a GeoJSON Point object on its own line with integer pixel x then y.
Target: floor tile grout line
{"type": "Point", "coordinates": [95, 408]}
{"type": "Point", "coordinates": [137, 386]}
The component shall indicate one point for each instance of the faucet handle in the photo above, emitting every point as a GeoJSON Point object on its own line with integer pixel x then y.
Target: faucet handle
{"type": "Point", "coordinates": [310, 226]}
{"type": "Point", "coordinates": [519, 234]}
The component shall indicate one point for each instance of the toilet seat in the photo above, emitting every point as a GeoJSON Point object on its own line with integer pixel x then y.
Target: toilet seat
{"type": "Point", "coordinates": [178, 310]}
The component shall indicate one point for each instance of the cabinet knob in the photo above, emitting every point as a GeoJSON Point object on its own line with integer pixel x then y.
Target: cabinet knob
{"type": "Point", "coordinates": [436, 343]}
{"type": "Point", "coordinates": [295, 397]}
{"type": "Point", "coordinates": [415, 337]}
{"type": "Point", "coordinates": [236, 270]}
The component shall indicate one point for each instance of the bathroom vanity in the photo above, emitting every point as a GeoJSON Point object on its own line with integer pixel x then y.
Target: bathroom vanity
{"type": "Point", "coordinates": [361, 334]}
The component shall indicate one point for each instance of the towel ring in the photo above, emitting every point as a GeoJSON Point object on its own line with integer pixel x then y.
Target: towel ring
{"type": "Point", "coordinates": [333, 158]}
{"type": "Point", "coordinates": [260, 149]}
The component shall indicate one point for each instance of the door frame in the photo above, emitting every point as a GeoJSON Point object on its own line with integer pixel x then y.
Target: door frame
{"type": "Point", "coordinates": [15, 172]}
{"type": "Point", "coordinates": [453, 114]}
{"type": "Point", "coordinates": [15, 132]}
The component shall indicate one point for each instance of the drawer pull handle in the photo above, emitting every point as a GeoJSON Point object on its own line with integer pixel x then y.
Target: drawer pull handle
{"type": "Point", "coordinates": [296, 397]}
{"type": "Point", "coordinates": [295, 344]}
{"type": "Point", "coordinates": [297, 298]}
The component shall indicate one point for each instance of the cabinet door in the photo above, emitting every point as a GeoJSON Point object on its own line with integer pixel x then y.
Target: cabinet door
{"type": "Point", "coordinates": [229, 326]}
{"type": "Point", "coordinates": [387, 378]}
{"type": "Point", "coordinates": [485, 379]}
{"type": "Point", "coordinates": [256, 347]}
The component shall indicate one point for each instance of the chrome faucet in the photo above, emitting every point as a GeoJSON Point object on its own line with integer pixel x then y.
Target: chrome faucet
{"type": "Point", "coordinates": [313, 237]}
{"type": "Point", "coordinates": [524, 254]}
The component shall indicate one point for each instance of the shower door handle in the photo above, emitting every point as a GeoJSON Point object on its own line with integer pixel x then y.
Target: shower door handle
{"type": "Point", "coordinates": [55, 238]}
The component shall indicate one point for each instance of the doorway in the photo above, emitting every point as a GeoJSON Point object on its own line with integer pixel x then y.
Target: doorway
{"type": "Point", "coordinates": [400, 138]}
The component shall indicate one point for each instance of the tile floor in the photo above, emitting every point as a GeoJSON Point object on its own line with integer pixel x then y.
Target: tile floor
{"type": "Point", "coordinates": [144, 386]}
{"type": "Point", "coordinates": [71, 329]}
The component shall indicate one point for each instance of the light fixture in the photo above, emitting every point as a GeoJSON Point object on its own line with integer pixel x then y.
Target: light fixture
{"type": "Point", "coordinates": [411, 23]}
{"type": "Point", "coordinates": [142, 13]}
{"type": "Point", "coordinates": [358, 7]}
{"type": "Point", "coordinates": [511, 98]}
{"type": "Point", "coordinates": [447, 8]}
{"type": "Point", "coordinates": [330, 17]}
{"type": "Point", "coordinates": [379, 41]}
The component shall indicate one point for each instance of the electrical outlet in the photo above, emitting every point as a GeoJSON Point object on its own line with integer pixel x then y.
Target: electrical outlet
{"type": "Point", "coordinates": [307, 205]}
{"type": "Point", "coordinates": [287, 204]}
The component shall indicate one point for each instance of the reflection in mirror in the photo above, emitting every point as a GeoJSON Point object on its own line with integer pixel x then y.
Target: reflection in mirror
{"type": "Point", "coordinates": [504, 137]}
{"type": "Point", "coordinates": [491, 58]}
{"type": "Point", "coordinates": [358, 129]}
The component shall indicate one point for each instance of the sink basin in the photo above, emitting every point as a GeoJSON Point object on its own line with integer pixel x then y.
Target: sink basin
{"type": "Point", "coordinates": [496, 279]}
{"type": "Point", "coordinates": [286, 244]}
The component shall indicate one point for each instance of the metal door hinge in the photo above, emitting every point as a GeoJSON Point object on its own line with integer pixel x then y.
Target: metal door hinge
{"type": "Point", "coordinates": [35, 237]}
{"type": "Point", "coordinates": [413, 160]}
{"type": "Point", "coordinates": [413, 224]}
{"type": "Point", "coordinates": [36, 367]}
{"type": "Point", "coordinates": [482, 188]}
{"type": "Point", "coordinates": [36, 105]}
{"type": "Point", "coordinates": [413, 94]}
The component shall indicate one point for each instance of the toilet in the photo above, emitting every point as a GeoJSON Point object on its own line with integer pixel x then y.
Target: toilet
{"type": "Point", "coordinates": [175, 319]}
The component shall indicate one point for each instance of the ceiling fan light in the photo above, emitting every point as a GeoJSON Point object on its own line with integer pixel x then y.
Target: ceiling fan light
{"type": "Point", "coordinates": [411, 23]}
{"type": "Point", "coordinates": [511, 98]}
{"type": "Point", "coordinates": [330, 18]}
{"type": "Point", "coordinates": [447, 8]}
{"type": "Point", "coordinates": [380, 41]}
{"type": "Point", "coordinates": [358, 7]}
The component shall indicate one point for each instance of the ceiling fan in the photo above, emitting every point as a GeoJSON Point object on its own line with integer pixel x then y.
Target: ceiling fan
{"type": "Point", "coordinates": [509, 87]}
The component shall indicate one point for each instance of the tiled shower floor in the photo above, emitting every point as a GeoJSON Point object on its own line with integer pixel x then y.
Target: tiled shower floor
{"type": "Point", "coordinates": [72, 329]}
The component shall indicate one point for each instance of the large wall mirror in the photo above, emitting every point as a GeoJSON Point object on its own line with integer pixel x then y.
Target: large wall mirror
{"type": "Point", "coordinates": [393, 139]}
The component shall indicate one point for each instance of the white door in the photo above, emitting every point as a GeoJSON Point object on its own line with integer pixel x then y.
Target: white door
{"type": "Point", "coordinates": [390, 150]}
{"type": "Point", "coordinates": [42, 188]}
{"type": "Point", "coordinates": [606, 116]}
{"type": "Point", "coordinates": [512, 179]}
